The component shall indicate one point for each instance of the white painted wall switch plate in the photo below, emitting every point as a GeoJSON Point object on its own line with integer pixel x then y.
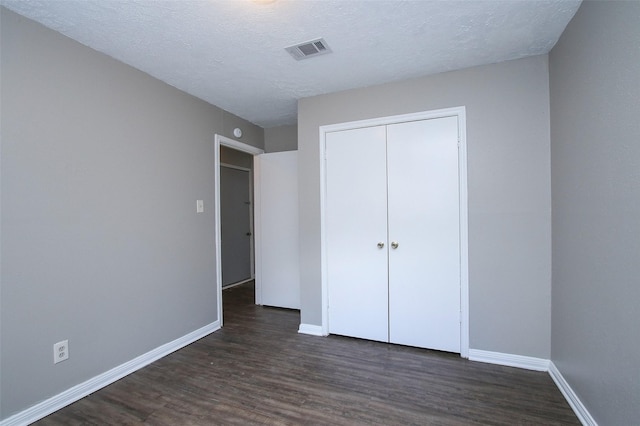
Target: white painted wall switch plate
{"type": "Point", "coordinates": [199, 206]}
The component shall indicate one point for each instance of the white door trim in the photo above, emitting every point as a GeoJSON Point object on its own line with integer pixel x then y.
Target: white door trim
{"type": "Point", "coordinates": [220, 140]}
{"type": "Point", "coordinates": [460, 113]}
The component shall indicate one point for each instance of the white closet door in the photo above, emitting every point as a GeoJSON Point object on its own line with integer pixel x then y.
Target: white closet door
{"type": "Point", "coordinates": [424, 220]}
{"type": "Point", "coordinates": [279, 270]}
{"type": "Point", "coordinates": [356, 221]}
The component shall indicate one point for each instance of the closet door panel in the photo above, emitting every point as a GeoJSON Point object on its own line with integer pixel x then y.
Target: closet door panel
{"type": "Point", "coordinates": [356, 221]}
{"type": "Point", "coordinates": [279, 272]}
{"type": "Point", "coordinates": [424, 217]}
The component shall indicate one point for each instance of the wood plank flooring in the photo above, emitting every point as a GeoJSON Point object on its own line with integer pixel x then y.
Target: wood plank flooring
{"type": "Point", "coordinates": [259, 370]}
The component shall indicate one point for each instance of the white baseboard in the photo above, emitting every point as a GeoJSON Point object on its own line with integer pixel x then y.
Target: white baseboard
{"type": "Point", "coordinates": [44, 408]}
{"type": "Point", "coordinates": [538, 364]}
{"type": "Point", "coordinates": [314, 330]}
{"type": "Point", "coordinates": [71, 395]}
{"type": "Point", "coordinates": [510, 360]}
{"type": "Point", "coordinates": [571, 397]}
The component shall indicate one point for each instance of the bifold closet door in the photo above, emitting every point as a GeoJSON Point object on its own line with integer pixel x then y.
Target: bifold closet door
{"type": "Point", "coordinates": [424, 224]}
{"type": "Point", "coordinates": [356, 232]}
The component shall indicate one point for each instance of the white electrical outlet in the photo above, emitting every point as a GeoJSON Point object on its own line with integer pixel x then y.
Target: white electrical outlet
{"type": "Point", "coordinates": [60, 351]}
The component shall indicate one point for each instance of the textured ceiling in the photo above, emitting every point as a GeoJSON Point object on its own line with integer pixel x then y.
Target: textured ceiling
{"type": "Point", "coordinates": [231, 52]}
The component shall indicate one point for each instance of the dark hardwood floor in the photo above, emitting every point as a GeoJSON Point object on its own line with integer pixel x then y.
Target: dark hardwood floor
{"type": "Point", "coordinates": [259, 370]}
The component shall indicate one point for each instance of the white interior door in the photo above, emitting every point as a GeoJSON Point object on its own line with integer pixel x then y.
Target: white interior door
{"type": "Point", "coordinates": [278, 275]}
{"type": "Point", "coordinates": [356, 222]}
{"type": "Point", "coordinates": [424, 221]}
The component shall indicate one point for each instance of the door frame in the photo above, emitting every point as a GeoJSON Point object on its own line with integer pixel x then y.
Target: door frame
{"type": "Point", "coordinates": [460, 113]}
{"type": "Point", "coordinates": [220, 140]}
{"type": "Point", "coordinates": [252, 265]}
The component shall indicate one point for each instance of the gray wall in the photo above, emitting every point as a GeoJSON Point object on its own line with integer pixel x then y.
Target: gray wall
{"type": "Point", "coordinates": [282, 138]}
{"type": "Point", "coordinates": [595, 169]}
{"type": "Point", "coordinates": [251, 134]}
{"type": "Point", "coordinates": [101, 245]}
{"type": "Point", "coordinates": [509, 192]}
{"type": "Point", "coordinates": [235, 157]}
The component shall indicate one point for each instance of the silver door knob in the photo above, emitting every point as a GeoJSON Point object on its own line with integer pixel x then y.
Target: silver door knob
{"type": "Point", "coordinates": [394, 245]}
{"type": "Point", "coordinates": [380, 245]}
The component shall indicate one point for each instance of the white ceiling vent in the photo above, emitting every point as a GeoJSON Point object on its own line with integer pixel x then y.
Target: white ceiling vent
{"type": "Point", "coordinates": [308, 49]}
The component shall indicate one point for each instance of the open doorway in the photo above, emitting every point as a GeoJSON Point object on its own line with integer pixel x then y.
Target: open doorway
{"type": "Point", "coordinates": [235, 171]}
{"type": "Point", "coordinates": [236, 217]}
